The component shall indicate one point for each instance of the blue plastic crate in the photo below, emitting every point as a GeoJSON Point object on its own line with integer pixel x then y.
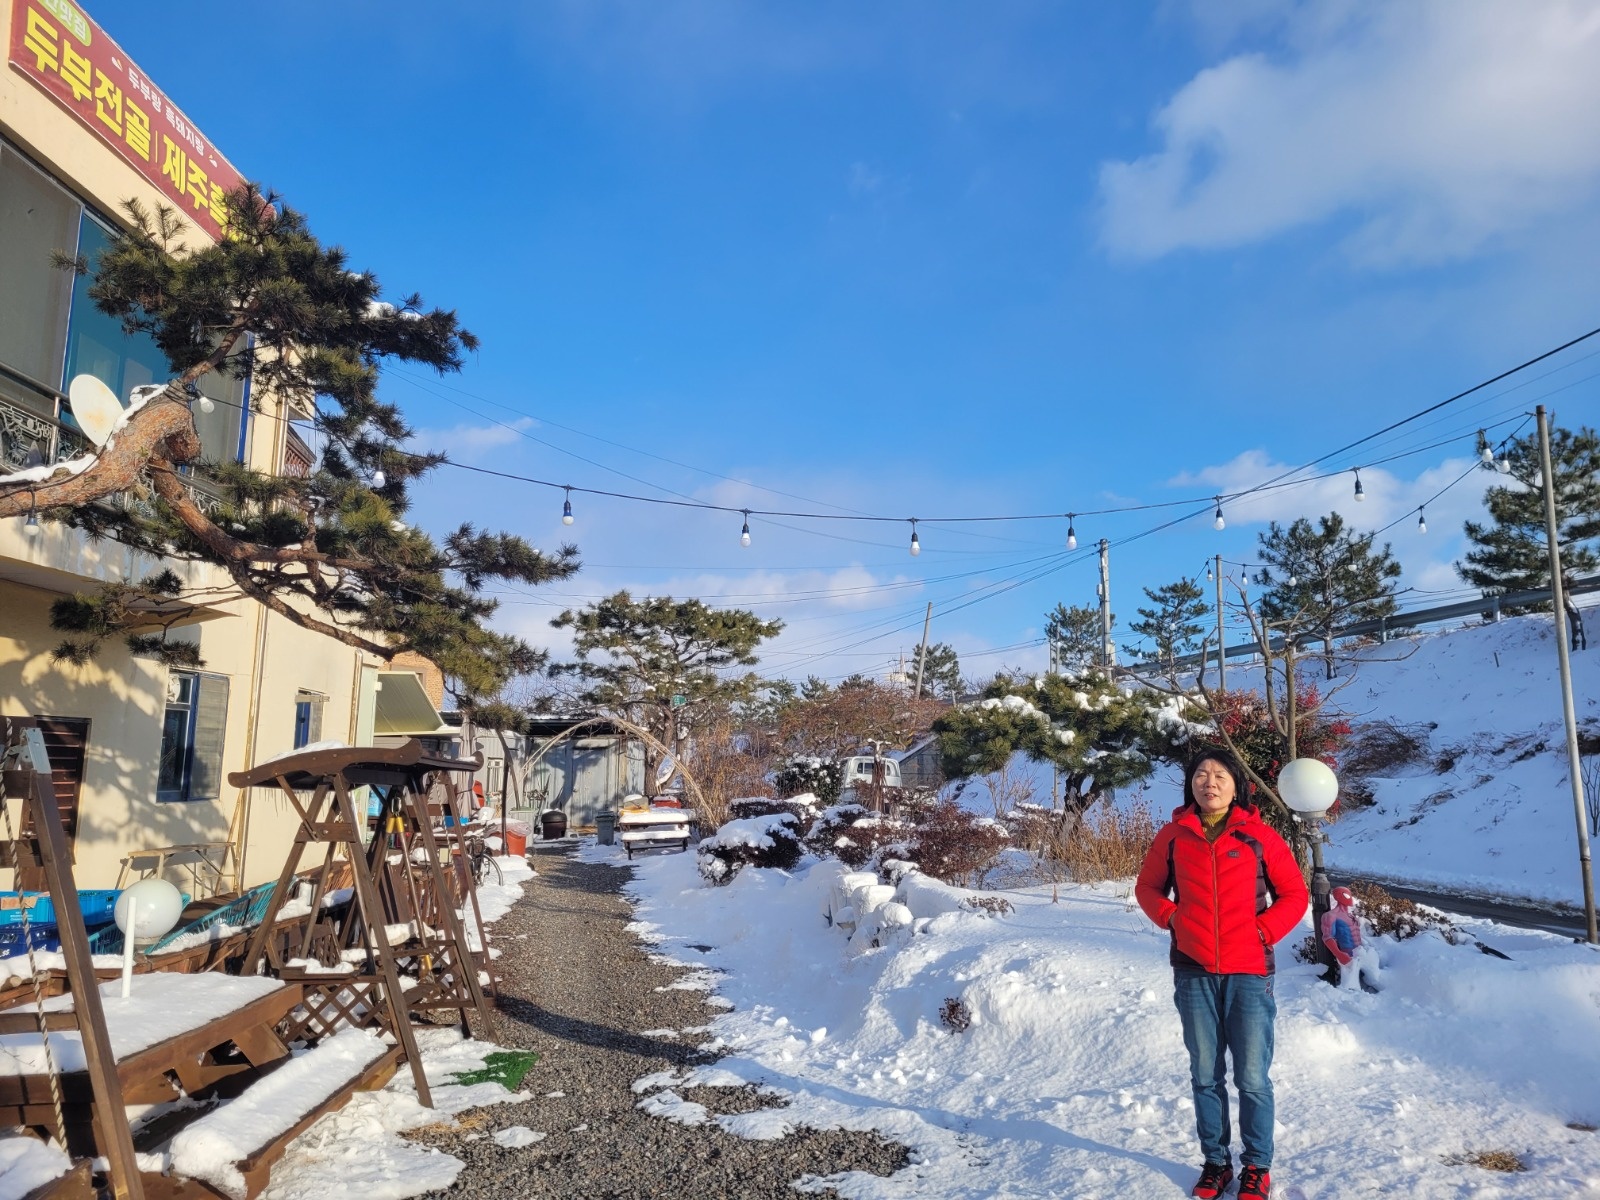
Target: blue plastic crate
{"type": "Point", "coordinates": [44, 937]}
{"type": "Point", "coordinates": [99, 907]}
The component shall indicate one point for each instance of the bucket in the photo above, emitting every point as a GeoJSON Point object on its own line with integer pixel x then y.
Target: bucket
{"type": "Point", "coordinates": [553, 824]}
{"type": "Point", "coordinates": [516, 843]}
{"type": "Point", "coordinates": [605, 826]}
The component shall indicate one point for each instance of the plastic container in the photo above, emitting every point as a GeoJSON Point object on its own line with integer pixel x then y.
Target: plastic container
{"type": "Point", "coordinates": [45, 937]}
{"type": "Point", "coordinates": [605, 827]}
{"type": "Point", "coordinates": [553, 824]}
{"type": "Point", "coordinates": [517, 838]}
{"type": "Point", "coordinates": [98, 907]}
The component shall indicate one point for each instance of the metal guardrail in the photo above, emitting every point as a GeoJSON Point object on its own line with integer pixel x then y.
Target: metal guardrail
{"type": "Point", "coordinates": [1490, 607]}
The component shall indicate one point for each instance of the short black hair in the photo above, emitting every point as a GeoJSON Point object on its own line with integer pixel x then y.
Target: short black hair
{"type": "Point", "coordinates": [1229, 763]}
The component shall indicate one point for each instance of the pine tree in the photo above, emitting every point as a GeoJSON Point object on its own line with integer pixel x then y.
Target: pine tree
{"type": "Point", "coordinates": [1513, 553]}
{"type": "Point", "coordinates": [1075, 637]}
{"type": "Point", "coordinates": [941, 672]}
{"type": "Point", "coordinates": [635, 656]}
{"type": "Point", "coordinates": [1320, 578]}
{"type": "Point", "coordinates": [1098, 736]}
{"type": "Point", "coordinates": [327, 551]}
{"type": "Point", "coordinates": [1173, 625]}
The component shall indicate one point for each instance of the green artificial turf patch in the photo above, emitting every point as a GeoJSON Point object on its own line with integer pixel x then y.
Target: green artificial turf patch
{"type": "Point", "coordinates": [505, 1067]}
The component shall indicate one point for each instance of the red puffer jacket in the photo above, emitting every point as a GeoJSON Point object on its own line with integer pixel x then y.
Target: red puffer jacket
{"type": "Point", "coordinates": [1226, 902]}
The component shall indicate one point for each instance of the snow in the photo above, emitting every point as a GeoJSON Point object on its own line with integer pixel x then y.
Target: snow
{"type": "Point", "coordinates": [161, 1006]}
{"type": "Point", "coordinates": [211, 1148]}
{"type": "Point", "coordinates": [514, 1137]}
{"type": "Point", "coordinates": [27, 1163]}
{"type": "Point", "coordinates": [1072, 1078]}
{"type": "Point", "coordinates": [753, 832]}
{"type": "Point", "coordinates": [308, 748]}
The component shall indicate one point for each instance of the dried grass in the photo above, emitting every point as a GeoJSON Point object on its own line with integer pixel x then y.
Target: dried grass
{"type": "Point", "coordinates": [1489, 1160]}
{"type": "Point", "coordinates": [1110, 842]}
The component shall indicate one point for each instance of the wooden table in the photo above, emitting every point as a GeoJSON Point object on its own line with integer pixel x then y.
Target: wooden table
{"type": "Point", "coordinates": [195, 1055]}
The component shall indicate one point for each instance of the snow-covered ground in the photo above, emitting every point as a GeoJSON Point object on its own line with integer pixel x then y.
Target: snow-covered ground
{"type": "Point", "coordinates": [1072, 1078]}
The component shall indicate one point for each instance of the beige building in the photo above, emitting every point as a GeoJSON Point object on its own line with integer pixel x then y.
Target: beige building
{"type": "Point", "coordinates": [142, 752]}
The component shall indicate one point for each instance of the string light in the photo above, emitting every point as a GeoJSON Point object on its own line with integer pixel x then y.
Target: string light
{"type": "Point", "coordinates": [744, 534]}
{"type": "Point", "coordinates": [1361, 492]}
{"type": "Point", "coordinates": [1422, 521]}
{"type": "Point", "coordinates": [1210, 577]}
{"type": "Point", "coordinates": [1485, 454]}
{"type": "Point", "coordinates": [379, 479]}
{"type": "Point", "coordinates": [1219, 523]}
{"type": "Point", "coordinates": [1072, 533]}
{"type": "Point", "coordinates": [207, 404]}
{"type": "Point", "coordinates": [31, 525]}
{"type": "Point", "coordinates": [916, 546]}
{"type": "Point", "coordinates": [1504, 465]}
{"type": "Point", "coordinates": [566, 508]}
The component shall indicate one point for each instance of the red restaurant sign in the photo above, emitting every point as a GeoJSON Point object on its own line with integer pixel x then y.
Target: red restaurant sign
{"type": "Point", "coordinates": [56, 45]}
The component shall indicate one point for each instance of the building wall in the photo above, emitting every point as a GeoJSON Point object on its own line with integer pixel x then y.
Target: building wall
{"type": "Point", "coordinates": [266, 659]}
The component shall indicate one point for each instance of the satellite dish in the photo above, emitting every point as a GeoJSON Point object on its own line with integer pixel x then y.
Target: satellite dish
{"type": "Point", "coordinates": [95, 407]}
{"type": "Point", "coordinates": [665, 771]}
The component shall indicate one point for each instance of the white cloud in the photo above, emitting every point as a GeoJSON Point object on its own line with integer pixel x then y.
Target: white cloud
{"type": "Point", "coordinates": [1435, 126]}
{"type": "Point", "coordinates": [466, 442]}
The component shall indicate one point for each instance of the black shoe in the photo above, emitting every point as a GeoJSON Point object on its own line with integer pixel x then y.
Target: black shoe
{"type": "Point", "coordinates": [1214, 1180]}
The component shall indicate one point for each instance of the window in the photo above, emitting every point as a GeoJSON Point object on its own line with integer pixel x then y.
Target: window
{"type": "Point", "coordinates": [192, 731]}
{"type": "Point", "coordinates": [37, 217]}
{"type": "Point", "coordinates": [308, 718]}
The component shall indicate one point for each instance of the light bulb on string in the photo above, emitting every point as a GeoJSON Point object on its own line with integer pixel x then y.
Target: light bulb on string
{"type": "Point", "coordinates": [1219, 523]}
{"type": "Point", "coordinates": [916, 546]}
{"type": "Point", "coordinates": [1422, 521]}
{"type": "Point", "coordinates": [566, 509]}
{"type": "Point", "coordinates": [1361, 492]}
{"type": "Point", "coordinates": [1504, 466]}
{"type": "Point", "coordinates": [31, 525]}
{"type": "Point", "coordinates": [1485, 453]}
{"type": "Point", "coordinates": [744, 533]}
{"type": "Point", "coordinates": [1294, 581]}
{"type": "Point", "coordinates": [1210, 576]}
{"type": "Point", "coordinates": [1072, 533]}
{"type": "Point", "coordinates": [207, 404]}
{"type": "Point", "coordinates": [379, 479]}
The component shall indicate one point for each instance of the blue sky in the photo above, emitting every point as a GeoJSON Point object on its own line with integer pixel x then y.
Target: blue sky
{"type": "Point", "coordinates": [934, 260]}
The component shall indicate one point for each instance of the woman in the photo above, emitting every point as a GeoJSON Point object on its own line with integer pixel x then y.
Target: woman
{"type": "Point", "coordinates": [1228, 888]}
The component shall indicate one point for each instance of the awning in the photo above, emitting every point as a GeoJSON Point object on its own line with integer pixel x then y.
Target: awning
{"type": "Point", "coordinates": [403, 708]}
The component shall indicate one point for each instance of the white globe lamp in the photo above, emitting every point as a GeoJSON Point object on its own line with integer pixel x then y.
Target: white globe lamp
{"type": "Point", "coordinates": [146, 911]}
{"type": "Point", "coordinates": [1309, 786]}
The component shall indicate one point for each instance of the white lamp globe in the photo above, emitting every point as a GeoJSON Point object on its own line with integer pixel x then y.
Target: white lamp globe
{"type": "Point", "coordinates": [155, 906]}
{"type": "Point", "coordinates": [1309, 786]}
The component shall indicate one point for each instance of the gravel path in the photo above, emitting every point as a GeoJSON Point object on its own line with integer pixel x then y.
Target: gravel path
{"type": "Point", "coordinates": [579, 989]}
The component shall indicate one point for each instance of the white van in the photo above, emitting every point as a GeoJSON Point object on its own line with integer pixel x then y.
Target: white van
{"type": "Point", "coordinates": [857, 787]}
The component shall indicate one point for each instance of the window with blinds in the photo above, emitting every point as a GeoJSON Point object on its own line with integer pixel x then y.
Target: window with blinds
{"type": "Point", "coordinates": [192, 736]}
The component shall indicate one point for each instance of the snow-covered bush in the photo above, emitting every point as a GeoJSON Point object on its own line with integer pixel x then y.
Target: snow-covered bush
{"type": "Point", "coordinates": [766, 841]}
{"type": "Point", "coordinates": [855, 835]}
{"type": "Point", "coordinates": [956, 845]}
{"type": "Point", "coordinates": [801, 807]}
{"type": "Point", "coordinates": [823, 778]}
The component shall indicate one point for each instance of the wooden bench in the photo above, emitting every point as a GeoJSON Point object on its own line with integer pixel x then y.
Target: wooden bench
{"type": "Point", "coordinates": [232, 1149]}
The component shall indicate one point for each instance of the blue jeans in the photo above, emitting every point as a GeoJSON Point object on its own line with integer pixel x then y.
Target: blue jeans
{"type": "Point", "coordinates": [1223, 1014]}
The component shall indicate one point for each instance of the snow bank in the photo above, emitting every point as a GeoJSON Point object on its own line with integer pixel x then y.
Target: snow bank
{"type": "Point", "coordinates": [754, 833]}
{"type": "Point", "coordinates": [27, 1163]}
{"type": "Point", "coordinates": [1072, 1077]}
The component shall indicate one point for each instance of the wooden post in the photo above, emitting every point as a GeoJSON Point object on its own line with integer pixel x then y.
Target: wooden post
{"type": "Point", "coordinates": [111, 1116]}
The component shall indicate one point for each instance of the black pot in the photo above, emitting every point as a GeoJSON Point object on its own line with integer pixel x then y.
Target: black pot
{"type": "Point", "coordinates": [553, 824]}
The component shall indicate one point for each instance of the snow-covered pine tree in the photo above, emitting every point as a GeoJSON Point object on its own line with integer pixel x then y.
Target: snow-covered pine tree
{"type": "Point", "coordinates": [1173, 626]}
{"type": "Point", "coordinates": [1512, 552]}
{"type": "Point", "coordinates": [1099, 735]}
{"type": "Point", "coordinates": [1318, 578]}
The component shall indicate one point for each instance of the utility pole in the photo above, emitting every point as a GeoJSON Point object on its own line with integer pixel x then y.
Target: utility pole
{"type": "Point", "coordinates": [1558, 596]}
{"type": "Point", "coordinates": [922, 654]}
{"type": "Point", "coordinates": [1108, 649]}
{"type": "Point", "coordinates": [1222, 656]}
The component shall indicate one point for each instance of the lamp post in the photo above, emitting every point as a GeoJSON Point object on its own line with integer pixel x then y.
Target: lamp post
{"type": "Point", "coordinates": [1309, 787]}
